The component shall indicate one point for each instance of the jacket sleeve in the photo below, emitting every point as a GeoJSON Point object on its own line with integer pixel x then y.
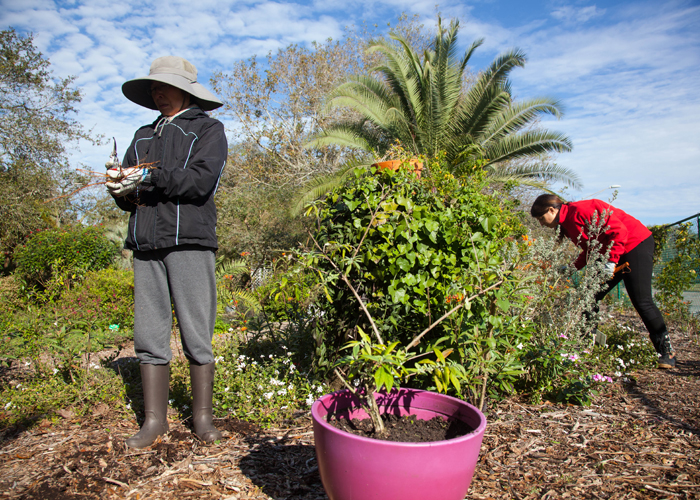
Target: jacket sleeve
{"type": "Point", "coordinates": [201, 174]}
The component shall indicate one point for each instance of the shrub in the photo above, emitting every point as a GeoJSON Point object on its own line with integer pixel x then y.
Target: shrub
{"type": "Point", "coordinates": [42, 394]}
{"type": "Point", "coordinates": [54, 258]}
{"type": "Point", "coordinates": [561, 305]}
{"type": "Point", "coordinates": [410, 251]}
{"type": "Point", "coordinates": [103, 298]}
{"type": "Point", "coordinates": [679, 273]}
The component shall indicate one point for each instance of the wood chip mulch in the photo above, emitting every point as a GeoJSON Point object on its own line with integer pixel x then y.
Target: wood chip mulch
{"type": "Point", "coordinates": [640, 440]}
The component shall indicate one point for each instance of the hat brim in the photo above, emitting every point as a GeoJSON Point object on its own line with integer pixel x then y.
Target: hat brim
{"type": "Point", "coordinates": [136, 90]}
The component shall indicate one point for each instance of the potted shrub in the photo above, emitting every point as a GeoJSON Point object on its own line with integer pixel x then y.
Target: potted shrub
{"type": "Point", "coordinates": [421, 255]}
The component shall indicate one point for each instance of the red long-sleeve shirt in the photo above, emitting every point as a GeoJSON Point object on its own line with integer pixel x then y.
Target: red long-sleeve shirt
{"type": "Point", "coordinates": [624, 231]}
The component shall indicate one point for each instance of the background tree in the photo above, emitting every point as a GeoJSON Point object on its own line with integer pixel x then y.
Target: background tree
{"type": "Point", "coordinates": [421, 102]}
{"type": "Point", "coordinates": [38, 124]}
{"type": "Point", "coordinates": [276, 103]}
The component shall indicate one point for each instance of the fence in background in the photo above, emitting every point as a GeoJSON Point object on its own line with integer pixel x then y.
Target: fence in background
{"type": "Point", "coordinates": [668, 252]}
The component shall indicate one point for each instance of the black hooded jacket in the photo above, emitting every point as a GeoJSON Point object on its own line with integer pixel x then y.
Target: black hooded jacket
{"type": "Point", "coordinates": [175, 204]}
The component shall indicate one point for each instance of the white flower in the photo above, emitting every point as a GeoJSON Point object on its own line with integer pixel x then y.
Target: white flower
{"type": "Point", "coordinates": [55, 371]}
{"type": "Point", "coordinates": [218, 359]}
{"type": "Point", "coordinates": [309, 400]}
{"type": "Point", "coordinates": [8, 405]}
{"type": "Point", "coordinates": [520, 345]}
{"type": "Point", "coordinates": [271, 356]}
{"type": "Point", "coordinates": [226, 390]}
{"type": "Point", "coordinates": [170, 401]}
{"type": "Point", "coordinates": [282, 392]}
{"type": "Point", "coordinates": [268, 395]}
{"type": "Point", "coordinates": [128, 406]}
{"type": "Point", "coordinates": [618, 374]}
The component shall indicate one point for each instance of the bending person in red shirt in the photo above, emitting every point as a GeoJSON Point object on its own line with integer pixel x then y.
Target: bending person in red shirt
{"type": "Point", "coordinates": [631, 242]}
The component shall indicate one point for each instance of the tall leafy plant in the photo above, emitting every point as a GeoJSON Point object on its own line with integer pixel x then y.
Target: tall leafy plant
{"type": "Point", "coordinates": [417, 278]}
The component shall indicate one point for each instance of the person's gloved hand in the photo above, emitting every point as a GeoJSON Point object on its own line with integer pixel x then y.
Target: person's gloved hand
{"type": "Point", "coordinates": [131, 178]}
{"type": "Point", "coordinates": [610, 269]}
{"type": "Point", "coordinates": [112, 163]}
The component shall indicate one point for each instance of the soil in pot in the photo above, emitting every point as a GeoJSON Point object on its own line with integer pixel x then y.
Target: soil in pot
{"type": "Point", "coordinates": [405, 429]}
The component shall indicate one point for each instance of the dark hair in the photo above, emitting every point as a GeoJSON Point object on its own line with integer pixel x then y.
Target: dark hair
{"type": "Point", "coordinates": [543, 202]}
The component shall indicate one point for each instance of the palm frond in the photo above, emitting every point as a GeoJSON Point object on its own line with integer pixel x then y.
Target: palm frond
{"type": "Point", "coordinates": [519, 115]}
{"type": "Point", "coordinates": [535, 175]}
{"type": "Point", "coordinates": [530, 143]}
{"type": "Point", "coordinates": [322, 185]}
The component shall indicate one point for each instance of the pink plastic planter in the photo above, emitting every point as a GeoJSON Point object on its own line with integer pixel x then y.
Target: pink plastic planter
{"type": "Point", "coordinates": [359, 468]}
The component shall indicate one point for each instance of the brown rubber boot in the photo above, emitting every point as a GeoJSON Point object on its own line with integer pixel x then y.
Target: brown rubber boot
{"type": "Point", "coordinates": [155, 380]}
{"type": "Point", "coordinates": [202, 377]}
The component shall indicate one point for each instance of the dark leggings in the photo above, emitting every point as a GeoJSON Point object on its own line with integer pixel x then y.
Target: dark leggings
{"type": "Point", "coordinates": [638, 285]}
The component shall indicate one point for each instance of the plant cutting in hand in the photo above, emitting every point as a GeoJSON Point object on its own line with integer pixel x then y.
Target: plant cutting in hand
{"type": "Point", "coordinates": [102, 178]}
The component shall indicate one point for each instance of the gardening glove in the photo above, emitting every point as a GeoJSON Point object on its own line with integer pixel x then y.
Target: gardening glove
{"type": "Point", "coordinates": [112, 163]}
{"type": "Point", "coordinates": [610, 269]}
{"type": "Point", "coordinates": [131, 178]}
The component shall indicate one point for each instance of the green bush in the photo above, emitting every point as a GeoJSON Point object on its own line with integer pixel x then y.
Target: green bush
{"type": "Point", "coordinates": [54, 258]}
{"type": "Point", "coordinates": [560, 305]}
{"type": "Point", "coordinates": [414, 249]}
{"type": "Point", "coordinates": [101, 299]}
{"type": "Point", "coordinates": [679, 273]}
{"type": "Point", "coordinates": [40, 395]}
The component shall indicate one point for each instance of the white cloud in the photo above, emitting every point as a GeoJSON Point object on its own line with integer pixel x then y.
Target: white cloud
{"type": "Point", "coordinates": [568, 13]}
{"type": "Point", "coordinates": [627, 73]}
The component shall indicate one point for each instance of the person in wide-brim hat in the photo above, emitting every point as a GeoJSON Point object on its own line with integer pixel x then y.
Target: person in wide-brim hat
{"type": "Point", "coordinates": [167, 182]}
{"type": "Point", "coordinates": [174, 71]}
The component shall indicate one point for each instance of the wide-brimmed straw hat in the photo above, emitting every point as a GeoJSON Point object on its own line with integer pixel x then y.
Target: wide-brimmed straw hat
{"type": "Point", "coordinates": [174, 71]}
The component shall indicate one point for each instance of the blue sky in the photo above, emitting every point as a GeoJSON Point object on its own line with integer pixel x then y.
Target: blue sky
{"type": "Point", "coordinates": [627, 72]}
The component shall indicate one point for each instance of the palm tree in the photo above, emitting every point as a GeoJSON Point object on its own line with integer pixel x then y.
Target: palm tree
{"type": "Point", "coordinates": [423, 104]}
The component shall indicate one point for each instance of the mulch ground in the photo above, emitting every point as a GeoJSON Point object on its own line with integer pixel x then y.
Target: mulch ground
{"type": "Point", "coordinates": [640, 439]}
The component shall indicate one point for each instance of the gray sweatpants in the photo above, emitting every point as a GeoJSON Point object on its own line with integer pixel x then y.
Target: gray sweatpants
{"type": "Point", "coordinates": [185, 275]}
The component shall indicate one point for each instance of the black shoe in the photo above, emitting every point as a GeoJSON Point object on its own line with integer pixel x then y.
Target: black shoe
{"type": "Point", "coordinates": [667, 361]}
{"type": "Point", "coordinates": [667, 355]}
